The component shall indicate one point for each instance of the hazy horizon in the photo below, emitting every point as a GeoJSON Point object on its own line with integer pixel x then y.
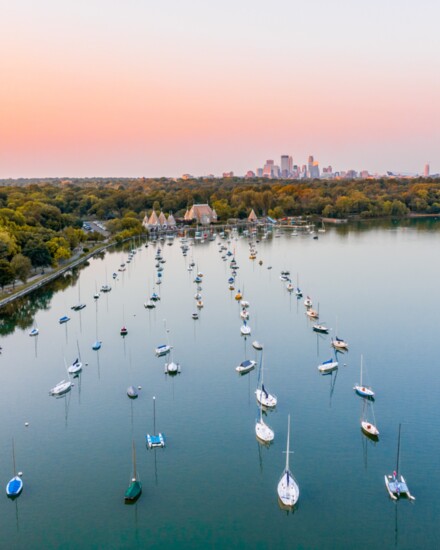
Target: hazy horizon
{"type": "Point", "coordinates": [151, 89]}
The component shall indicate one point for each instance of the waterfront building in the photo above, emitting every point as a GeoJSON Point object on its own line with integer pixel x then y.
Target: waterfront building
{"type": "Point", "coordinates": [201, 213]}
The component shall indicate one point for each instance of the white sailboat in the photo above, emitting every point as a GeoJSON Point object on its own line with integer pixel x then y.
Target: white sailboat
{"type": "Point", "coordinates": [263, 396]}
{"type": "Point", "coordinates": [263, 432]}
{"type": "Point", "coordinates": [396, 484]}
{"type": "Point", "coordinates": [288, 490]}
{"type": "Point", "coordinates": [171, 367]}
{"type": "Point", "coordinates": [360, 389]}
{"type": "Point", "coordinates": [367, 427]}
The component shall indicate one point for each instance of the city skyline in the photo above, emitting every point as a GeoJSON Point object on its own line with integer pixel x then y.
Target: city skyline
{"type": "Point", "coordinates": [94, 88]}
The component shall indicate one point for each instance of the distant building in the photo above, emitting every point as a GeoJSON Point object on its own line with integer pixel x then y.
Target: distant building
{"type": "Point", "coordinates": [285, 167]}
{"type": "Point", "coordinates": [249, 174]}
{"type": "Point", "coordinates": [201, 213]}
{"type": "Point", "coordinates": [268, 169]}
{"type": "Point", "coordinates": [259, 172]}
{"type": "Point", "coordinates": [187, 177]}
{"type": "Point", "coordinates": [426, 171]}
{"type": "Point", "coordinates": [228, 174]}
{"type": "Point", "coordinates": [252, 218]}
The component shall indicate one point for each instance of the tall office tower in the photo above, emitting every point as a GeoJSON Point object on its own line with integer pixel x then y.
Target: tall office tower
{"type": "Point", "coordinates": [285, 172]}
{"type": "Point", "coordinates": [276, 172]}
{"type": "Point", "coordinates": [290, 165]}
{"type": "Point", "coordinates": [310, 166]}
{"type": "Point", "coordinates": [260, 172]}
{"type": "Point", "coordinates": [314, 170]}
{"type": "Point", "coordinates": [268, 168]}
{"type": "Point", "coordinates": [426, 170]}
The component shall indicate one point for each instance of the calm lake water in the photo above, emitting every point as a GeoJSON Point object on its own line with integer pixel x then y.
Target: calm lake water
{"type": "Point", "coordinates": [214, 485]}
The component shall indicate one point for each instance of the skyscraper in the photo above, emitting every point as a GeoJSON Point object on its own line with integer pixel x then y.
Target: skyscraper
{"type": "Point", "coordinates": [285, 168]}
{"type": "Point", "coordinates": [426, 170]}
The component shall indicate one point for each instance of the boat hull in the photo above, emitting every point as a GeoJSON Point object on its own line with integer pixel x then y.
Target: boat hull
{"type": "Point", "coordinates": [14, 487]}
{"type": "Point", "coordinates": [263, 432]}
{"type": "Point", "coordinates": [288, 490]}
{"type": "Point", "coordinates": [133, 492]}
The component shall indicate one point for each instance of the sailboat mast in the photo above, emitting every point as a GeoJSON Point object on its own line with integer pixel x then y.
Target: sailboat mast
{"type": "Point", "coordinates": [154, 415]}
{"type": "Point", "coordinates": [13, 456]}
{"type": "Point", "coordinates": [362, 357]}
{"type": "Point", "coordinates": [398, 452]}
{"type": "Point", "coordinates": [288, 442]}
{"type": "Point", "coordinates": [134, 461]}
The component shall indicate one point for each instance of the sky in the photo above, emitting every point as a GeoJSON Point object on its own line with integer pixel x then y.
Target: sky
{"type": "Point", "coordinates": [167, 87]}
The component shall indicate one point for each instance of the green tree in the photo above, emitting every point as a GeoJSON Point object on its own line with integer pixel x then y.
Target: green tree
{"type": "Point", "coordinates": [21, 266]}
{"type": "Point", "coordinates": [6, 273]}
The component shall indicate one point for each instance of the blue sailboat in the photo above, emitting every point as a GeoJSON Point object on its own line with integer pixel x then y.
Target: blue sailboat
{"type": "Point", "coordinates": [15, 485]}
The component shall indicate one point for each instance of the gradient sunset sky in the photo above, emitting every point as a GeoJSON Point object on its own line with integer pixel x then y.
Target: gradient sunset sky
{"type": "Point", "coordinates": [166, 87]}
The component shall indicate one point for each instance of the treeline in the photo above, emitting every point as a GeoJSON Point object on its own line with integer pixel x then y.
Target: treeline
{"type": "Point", "coordinates": [41, 222]}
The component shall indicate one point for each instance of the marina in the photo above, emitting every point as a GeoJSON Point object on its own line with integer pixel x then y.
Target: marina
{"type": "Point", "coordinates": [208, 413]}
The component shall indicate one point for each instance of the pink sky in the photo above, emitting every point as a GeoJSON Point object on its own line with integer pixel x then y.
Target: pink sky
{"type": "Point", "coordinates": [138, 88]}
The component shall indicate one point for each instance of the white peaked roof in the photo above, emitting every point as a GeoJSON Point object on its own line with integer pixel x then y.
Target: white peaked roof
{"type": "Point", "coordinates": [252, 216]}
{"type": "Point", "coordinates": [171, 221]}
{"type": "Point", "coordinates": [152, 220]}
{"type": "Point", "coordinates": [162, 219]}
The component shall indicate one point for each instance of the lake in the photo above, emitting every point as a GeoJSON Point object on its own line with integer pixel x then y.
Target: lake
{"type": "Point", "coordinates": [214, 485]}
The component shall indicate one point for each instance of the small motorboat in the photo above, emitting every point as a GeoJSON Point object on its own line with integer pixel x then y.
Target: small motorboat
{"type": "Point", "coordinates": [317, 327]}
{"type": "Point", "coordinates": [328, 366]}
{"type": "Point", "coordinates": [195, 315]}
{"type": "Point", "coordinates": [162, 350]}
{"type": "Point", "coordinates": [124, 331]}
{"type": "Point", "coordinates": [246, 366]}
{"type": "Point", "coordinates": [97, 345]}
{"type": "Point", "coordinates": [256, 345]}
{"type": "Point", "coordinates": [63, 319]}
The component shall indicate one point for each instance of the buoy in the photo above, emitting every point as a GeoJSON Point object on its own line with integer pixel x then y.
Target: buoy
{"type": "Point", "coordinates": [86, 364]}
{"type": "Point", "coordinates": [26, 424]}
{"type": "Point", "coordinates": [139, 387]}
{"type": "Point", "coordinates": [19, 474]}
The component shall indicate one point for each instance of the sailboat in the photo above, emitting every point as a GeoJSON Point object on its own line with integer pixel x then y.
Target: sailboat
{"type": "Point", "coordinates": [171, 367]}
{"type": "Point", "coordinates": [61, 388]}
{"type": "Point", "coordinates": [15, 485]}
{"type": "Point", "coordinates": [245, 329]}
{"type": "Point", "coordinates": [328, 366]}
{"type": "Point", "coordinates": [262, 430]}
{"type": "Point", "coordinates": [263, 396]}
{"type": "Point", "coordinates": [155, 440]}
{"type": "Point", "coordinates": [368, 428]}
{"type": "Point", "coordinates": [79, 305]}
{"type": "Point", "coordinates": [34, 331]}
{"type": "Point", "coordinates": [97, 343]}
{"type": "Point", "coordinates": [360, 389]}
{"type": "Point", "coordinates": [135, 488]}
{"type": "Point", "coordinates": [395, 484]}
{"type": "Point", "coordinates": [77, 365]}
{"type": "Point", "coordinates": [288, 490]}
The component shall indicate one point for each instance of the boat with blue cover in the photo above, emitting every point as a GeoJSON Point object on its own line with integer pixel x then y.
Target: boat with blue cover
{"type": "Point", "coordinates": [63, 319]}
{"type": "Point", "coordinates": [328, 366]}
{"type": "Point", "coordinates": [246, 366]}
{"type": "Point", "coordinates": [34, 332]}
{"type": "Point", "coordinates": [97, 345]}
{"type": "Point", "coordinates": [14, 485]}
{"type": "Point", "coordinates": [132, 392]}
